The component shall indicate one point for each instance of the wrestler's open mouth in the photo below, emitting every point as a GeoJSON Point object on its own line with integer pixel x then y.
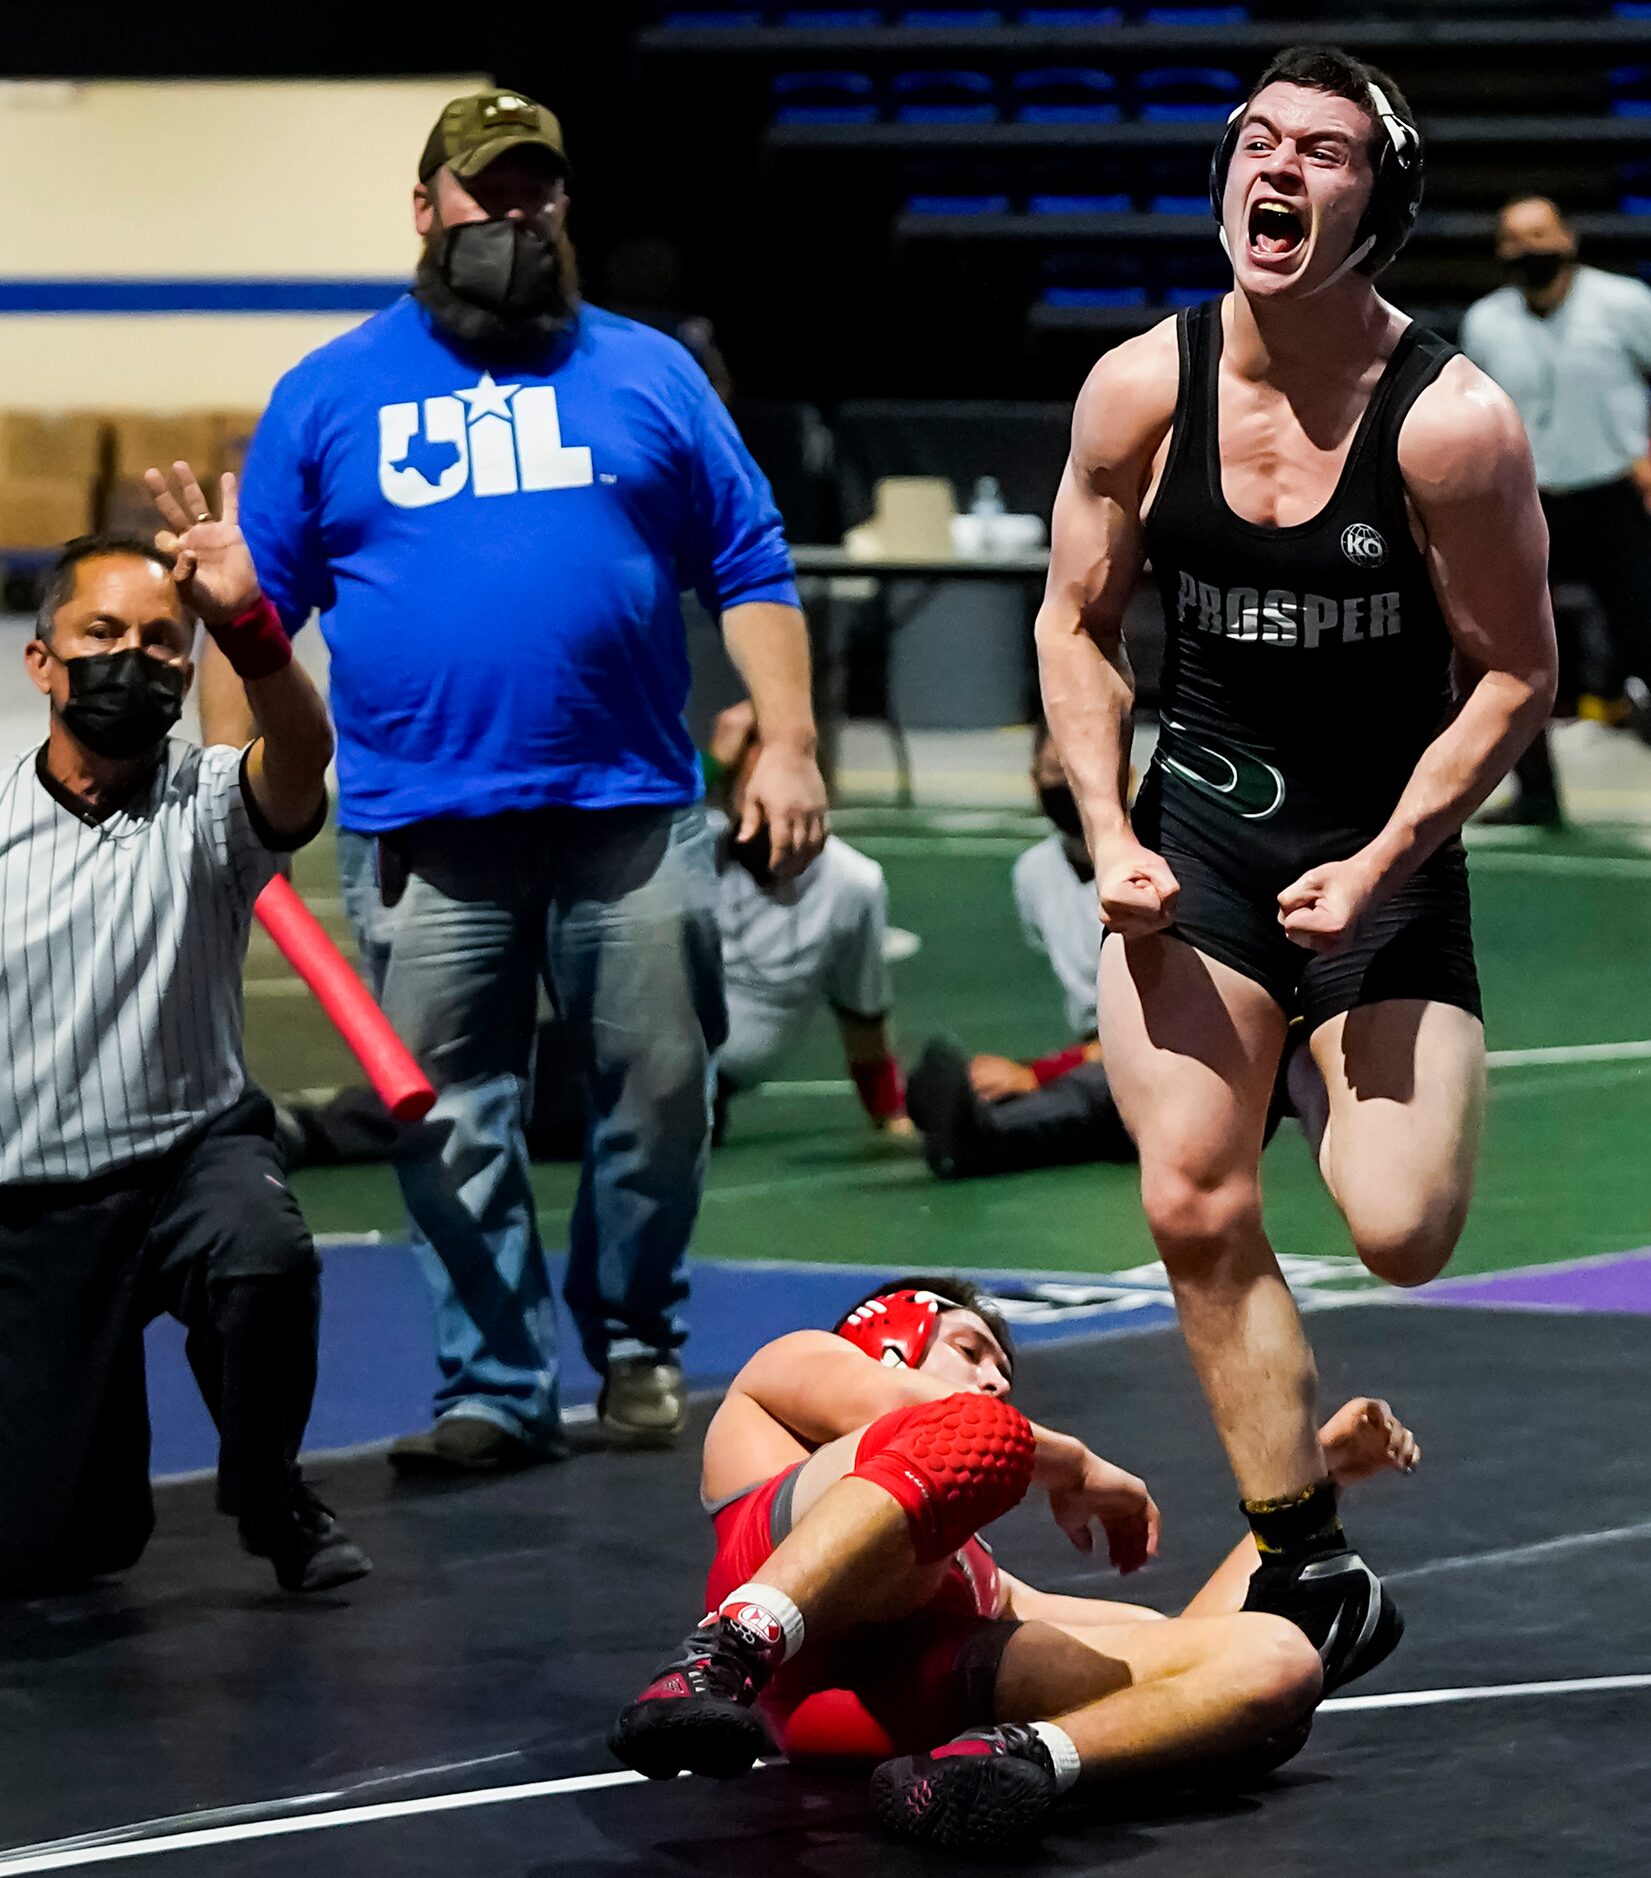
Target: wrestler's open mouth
{"type": "Point", "coordinates": [1275, 229]}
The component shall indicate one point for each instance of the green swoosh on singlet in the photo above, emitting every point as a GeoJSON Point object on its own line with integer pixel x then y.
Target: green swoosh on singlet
{"type": "Point", "coordinates": [1237, 781]}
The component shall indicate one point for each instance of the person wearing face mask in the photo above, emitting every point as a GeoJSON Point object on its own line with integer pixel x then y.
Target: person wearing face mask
{"type": "Point", "coordinates": [792, 947]}
{"type": "Point", "coordinates": [1342, 521]}
{"type": "Point", "coordinates": [854, 1614]}
{"type": "Point", "coordinates": [137, 1170]}
{"type": "Point", "coordinates": [990, 1114]}
{"type": "Point", "coordinates": [1571, 345]}
{"type": "Point", "coordinates": [494, 494]}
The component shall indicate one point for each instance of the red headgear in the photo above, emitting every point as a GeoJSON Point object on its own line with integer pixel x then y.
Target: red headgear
{"type": "Point", "coordinates": [898, 1328]}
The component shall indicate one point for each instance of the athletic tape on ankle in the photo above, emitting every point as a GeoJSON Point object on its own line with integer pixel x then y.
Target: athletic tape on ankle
{"type": "Point", "coordinates": [767, 1615]}
{"type": "Point", "coordinates": [1063, 1752]}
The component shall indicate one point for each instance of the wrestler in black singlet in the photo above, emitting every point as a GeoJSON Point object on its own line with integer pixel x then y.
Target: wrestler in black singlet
{"type": "Point", "coordinates": [1306, 670]}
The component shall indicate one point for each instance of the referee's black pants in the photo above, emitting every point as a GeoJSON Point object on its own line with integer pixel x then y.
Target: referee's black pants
{"type": "Point", "coordinates": [207, 1232]}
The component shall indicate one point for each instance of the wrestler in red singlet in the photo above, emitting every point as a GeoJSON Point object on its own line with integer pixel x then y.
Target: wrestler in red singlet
{"type": "Point", "coordinates": [855, 1613]}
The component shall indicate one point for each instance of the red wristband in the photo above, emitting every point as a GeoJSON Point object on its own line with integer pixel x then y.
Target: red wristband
{"type": "Point", "coordinates": [1048, 1068]}
{"type": "Point", "coordinates": [882, 1093]}
{"type": "Point", "coordinates": [255, 642]}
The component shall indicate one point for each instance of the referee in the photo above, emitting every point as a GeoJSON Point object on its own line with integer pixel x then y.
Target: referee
{"type": "Point", "coordinates": [137, 1173]}
{"type": "Point", "coordinates": [1571, 345]}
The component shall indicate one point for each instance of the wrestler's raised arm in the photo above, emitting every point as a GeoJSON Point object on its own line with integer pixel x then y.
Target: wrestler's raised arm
{"type": "Point", "coordinates": [1121, 421]}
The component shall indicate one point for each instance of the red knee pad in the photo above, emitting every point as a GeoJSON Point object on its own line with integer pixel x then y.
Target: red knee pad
{"type": "Point", "coordinates": [954, 1465]}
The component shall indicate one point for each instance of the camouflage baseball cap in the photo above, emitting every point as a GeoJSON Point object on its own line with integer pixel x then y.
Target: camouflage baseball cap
{"type": "Point", "coordinates": [473, 130]}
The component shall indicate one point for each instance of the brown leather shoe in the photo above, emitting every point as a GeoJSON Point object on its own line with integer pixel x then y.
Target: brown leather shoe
{"type": "Point", "coordinates": [468, 1444]}
{"type": "Point", "coordinates": [643, 1403]}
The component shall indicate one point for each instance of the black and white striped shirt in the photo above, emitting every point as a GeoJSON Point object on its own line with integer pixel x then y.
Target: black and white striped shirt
{"type": "Point", "coordinates": [122, 943]}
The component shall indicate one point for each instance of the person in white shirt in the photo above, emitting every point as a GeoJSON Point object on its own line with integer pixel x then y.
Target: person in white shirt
{"type": "Point", "coordinates": [993, 1114]}
{"type": "Point", "coordinates": [1571, 345]}
{"type": "Point", "coordinates": [792, 946]}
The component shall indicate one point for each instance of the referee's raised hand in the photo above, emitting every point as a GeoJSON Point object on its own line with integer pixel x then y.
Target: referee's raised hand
{"type": "Point", "coordinates": [214, 571]}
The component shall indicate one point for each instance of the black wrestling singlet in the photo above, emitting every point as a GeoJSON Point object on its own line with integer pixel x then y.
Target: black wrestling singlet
{"type": "Point", "coordinates": [1307, 667]}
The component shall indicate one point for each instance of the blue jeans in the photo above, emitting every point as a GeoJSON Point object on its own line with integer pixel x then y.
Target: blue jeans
{"type": "Point", "coordinates": [615, 912]}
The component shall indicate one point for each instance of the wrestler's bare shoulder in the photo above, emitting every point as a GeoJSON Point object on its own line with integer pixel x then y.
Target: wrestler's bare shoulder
{"type": "Point", "coordinates": [1128, 400]}
{"type": "Point", "coordinates": [1462, 438]}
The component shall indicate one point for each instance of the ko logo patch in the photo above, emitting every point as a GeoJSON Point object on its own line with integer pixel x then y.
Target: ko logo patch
{"type": "Point", "coordinates": [1362, 545]}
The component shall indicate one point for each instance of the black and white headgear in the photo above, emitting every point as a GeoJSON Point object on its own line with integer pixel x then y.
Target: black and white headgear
{"type": "Point", "coordinates": [1394, 200]}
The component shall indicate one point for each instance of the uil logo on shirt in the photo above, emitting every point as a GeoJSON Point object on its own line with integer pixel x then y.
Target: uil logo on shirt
{"type": "Point", "coordinates": [497, 440]}
{"type": "Point", "coordinates": [1362, 545]}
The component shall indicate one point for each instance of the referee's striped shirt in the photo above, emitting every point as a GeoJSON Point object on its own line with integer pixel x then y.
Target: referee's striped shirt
{"type": "Point", "coordinates": [122, 942]}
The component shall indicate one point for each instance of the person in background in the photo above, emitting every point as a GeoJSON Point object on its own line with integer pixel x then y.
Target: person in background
{"type": "Point", "coordinates": [791, 946]}
{"type": "Point", "coordinates": [494, 494]}
{"type": "Point", "coordinates": [137, 1171]}
{"type": "Point", "coordinates": [996, 1115]}
{"type": "Point", "coordinates": [1571, 345]}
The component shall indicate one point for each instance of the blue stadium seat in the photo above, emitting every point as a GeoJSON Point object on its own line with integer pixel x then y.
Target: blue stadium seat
{"type": "Point", "coordinates": [1088, 279]}
{"type": "Point", "coordinates": [970, 19]}
{"type": "Point", "coordinates": [1180, 205]}
{"type": "Point", "coordinates": [1195, 16]}
{"type": "Point", "coordinates": [1065, 94]}
{"type": "Point", "coordinates": [945, 97]}
{"type": "Point", "coordinates": [1181, 94]}
{"type": "Point", "coordinates": [957, 205]}
{"type": "Point", "coordinates": [1076, 14]}
{"type": "Point", "coordinates": [1632, 10]}
{"type": "Point", "coordinates": [833, 19]}
{"type": "Point", "coordinates": [1079, 205]}
{"type": "Point", "coordinates": [1634, 181]}
{"type": "Point", "coordinates": [823, 98]}
{"type": "Point", "coordinates": [1630, 88]}
{"type": "Point", "coordinates": [1190, 279]}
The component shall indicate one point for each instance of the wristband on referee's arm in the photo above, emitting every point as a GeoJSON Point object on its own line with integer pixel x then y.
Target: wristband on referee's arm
{"type": "Point", "coordinates": [255, 642]}
{"type": "Point", "coordinates": [882, 1092]}
{"type": "Point", "coordinates": [1050, 1068]}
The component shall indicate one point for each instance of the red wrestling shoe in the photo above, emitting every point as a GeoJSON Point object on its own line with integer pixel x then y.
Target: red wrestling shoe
{"type": "Point", "coordinates": [990, 1788]}
{"type": "Point", "coordinates": [696, 1716]}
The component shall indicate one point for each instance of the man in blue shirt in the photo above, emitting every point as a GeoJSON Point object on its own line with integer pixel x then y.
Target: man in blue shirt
{"type": "Point", "coordinates": [495, 495]}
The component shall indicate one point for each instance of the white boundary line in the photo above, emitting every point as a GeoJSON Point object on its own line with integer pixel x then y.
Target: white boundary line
{"type": "Point", "coordinates": [1520, 1554]}
{"type": "Point", "coordinates": [1485, 1692]}
{"type": "Point", "coordinates": [69, 1855]}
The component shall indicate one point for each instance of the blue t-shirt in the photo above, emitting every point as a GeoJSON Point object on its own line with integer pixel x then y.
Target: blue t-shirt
{"type": "Point", "coordinates": [498, 560]}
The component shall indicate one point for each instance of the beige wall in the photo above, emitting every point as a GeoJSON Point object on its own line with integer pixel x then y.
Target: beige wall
{"type": "Point", "coordinates": [293, 180]}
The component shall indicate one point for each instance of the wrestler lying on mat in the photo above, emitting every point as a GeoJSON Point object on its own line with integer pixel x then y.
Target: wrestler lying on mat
{"type": "Point", "coordinates": [856, 1613]}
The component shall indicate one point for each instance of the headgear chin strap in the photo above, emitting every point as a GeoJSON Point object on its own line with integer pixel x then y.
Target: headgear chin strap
{"type": "Point", "coordinates": [1394, 198]}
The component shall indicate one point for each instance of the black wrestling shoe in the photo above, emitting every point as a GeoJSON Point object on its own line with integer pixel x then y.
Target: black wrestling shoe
{"type": "Point", "coordinates": [990, 1788]}
{"type": "Point", "coordinates": [305, 1543]}
{"type": "Point", "coordinates": [696, 1716]}
{"type": "Point", "coordinates": [942, 1104]}
{"type": "Point", "coordinates": [1339, 1604]}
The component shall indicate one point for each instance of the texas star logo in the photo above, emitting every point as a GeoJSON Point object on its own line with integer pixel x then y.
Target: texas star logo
{"type": "Point", "coordinates": [500, 440]}
{"type": "Point", "coordinates": [1362, 545]}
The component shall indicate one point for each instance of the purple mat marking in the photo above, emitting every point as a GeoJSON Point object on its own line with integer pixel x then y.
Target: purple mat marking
{"type": "Point", "coordinates": [1621, 1283]}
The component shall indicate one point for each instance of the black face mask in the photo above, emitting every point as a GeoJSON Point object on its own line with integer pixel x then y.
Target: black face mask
{"type": "Point", "coordinates": [1061, 806]}
{"type": "Point", "coordinates": [122, 704]}
{"type": "Point", "coordinates": [498, 286]}
{"type": "Point", "coordinates": [1536, 271]}
{"type": "Point", "coordinates": [756, 857]}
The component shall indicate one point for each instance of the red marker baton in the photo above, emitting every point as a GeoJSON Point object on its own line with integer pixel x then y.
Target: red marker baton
{"type": "Point", "coordinates": [402, 1086]}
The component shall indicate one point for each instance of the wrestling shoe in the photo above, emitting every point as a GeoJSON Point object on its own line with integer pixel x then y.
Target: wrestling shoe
{"type": "Point", "coordinates": [696, 1716]}
{"type": "Point", "coordinates": [1339, 1604]}
{"type": "Point", "coordinates": [990, 1788]}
